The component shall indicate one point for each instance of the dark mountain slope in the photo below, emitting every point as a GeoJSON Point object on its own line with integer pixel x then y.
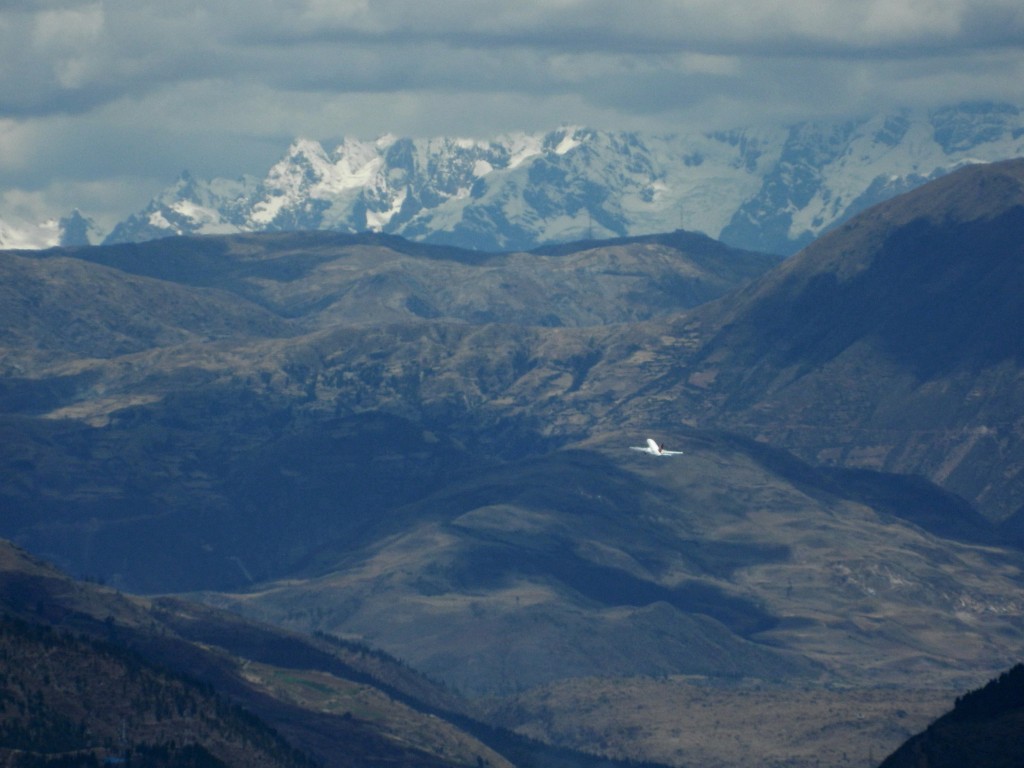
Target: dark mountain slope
{"type": "Point", "coordinates": [890, 344]}
{"type": "Point", "coordinates": [984, 730]}
{"type": "Point", "coordinates": [99, 659]}
{"type": "Point", "coordinates": [102, 638]}
{"type": "Point", "coordinates": [929, 277]}
{"type": "Point", "coordinates": [68, 700]}
{"type": "Point", "coordinates": [212, 490]}
{"type": "Point", "coordinates": [98, 672]}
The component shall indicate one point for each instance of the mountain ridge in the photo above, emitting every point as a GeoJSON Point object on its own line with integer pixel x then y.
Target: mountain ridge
{"type": "Point", "coordinates": [770, 189]}
{"type": "Point", "coordinates": [767, 189]}
{"type": "Point", "coordinates": [921, 290]}
{"type": "Point", "coordinates": [201, 684]}
{"type": "Point", "coordinates": [456, 487]}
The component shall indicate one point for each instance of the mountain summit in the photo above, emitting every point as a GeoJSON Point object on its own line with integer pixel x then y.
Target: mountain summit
{"type": "Point", "coordinates": [771, 190]}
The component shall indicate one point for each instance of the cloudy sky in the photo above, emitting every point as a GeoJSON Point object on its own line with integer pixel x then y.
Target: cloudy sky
{"type": "Point", "coordinates": [104, 102]}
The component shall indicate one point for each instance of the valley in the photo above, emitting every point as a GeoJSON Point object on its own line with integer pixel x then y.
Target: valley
{"type": "Point", "coordinates": [425, 450]}
{"type": "Point", "coordinates": [693, 721]}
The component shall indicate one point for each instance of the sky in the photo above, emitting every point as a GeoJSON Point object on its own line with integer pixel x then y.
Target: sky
{"type": "Point", "coordinates": [104, 102]}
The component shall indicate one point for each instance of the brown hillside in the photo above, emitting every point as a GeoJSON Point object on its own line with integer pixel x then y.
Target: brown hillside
{"type": "Point", "coordinates": [891, 344]}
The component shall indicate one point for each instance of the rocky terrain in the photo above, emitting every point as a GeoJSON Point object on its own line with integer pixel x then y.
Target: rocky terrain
{"type": "Point", "coordinates": [427, 450]}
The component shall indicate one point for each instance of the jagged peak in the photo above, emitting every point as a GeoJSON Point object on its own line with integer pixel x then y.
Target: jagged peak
{"type": "Point", "coordinates": [769, 188]}
{"type": "Point", "coordinates": [566, 138]}
{"type": "Point", "coordinates": [303, 147]}
{"type": "Point", "coordinates": [75, 229]}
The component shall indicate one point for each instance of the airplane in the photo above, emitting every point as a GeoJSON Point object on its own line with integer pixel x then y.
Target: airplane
{"type": "Point", "coordinates": [654, 449]}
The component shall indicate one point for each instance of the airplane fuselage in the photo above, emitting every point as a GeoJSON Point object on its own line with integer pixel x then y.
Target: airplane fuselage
{"type": "Point", "coordinates": [654, 449]}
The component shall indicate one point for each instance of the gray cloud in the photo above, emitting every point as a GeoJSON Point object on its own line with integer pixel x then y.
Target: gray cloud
{"type": "Point", "coordinates": [69, 57]}
{"type": "Point", "coordinates": [119, 89]}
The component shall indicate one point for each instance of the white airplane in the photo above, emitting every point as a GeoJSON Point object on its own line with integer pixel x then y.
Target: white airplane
{"type": "Point", "coordinates": [654, 449]}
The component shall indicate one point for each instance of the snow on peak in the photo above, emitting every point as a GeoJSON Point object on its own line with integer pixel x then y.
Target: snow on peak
{"type": "Point", "coordinates": [377, 220]}
{"type": "Point", "coordinates": [158, 220]}
{"type": "Point", "coordinates": [308, 148]}
{"type": "Point", "coordinates": [568, 143]}
{"type": "Point", "coordinates": [769, 189]}
{"type": "Point", "coordinates": [522, 147]}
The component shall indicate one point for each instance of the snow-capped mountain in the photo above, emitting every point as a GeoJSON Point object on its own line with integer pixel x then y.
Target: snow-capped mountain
{"type": "Point", "coordinates": [769, 189]}
{"type": "Point", "coordinates": [190, 206]}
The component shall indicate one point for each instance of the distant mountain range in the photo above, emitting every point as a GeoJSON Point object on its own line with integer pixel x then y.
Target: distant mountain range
{"type": "Point", "coordinates": [768, 189]}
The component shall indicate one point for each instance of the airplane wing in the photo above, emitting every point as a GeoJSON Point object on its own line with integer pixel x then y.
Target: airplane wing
{"type": "Point", "coordinates": [671, 453]}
